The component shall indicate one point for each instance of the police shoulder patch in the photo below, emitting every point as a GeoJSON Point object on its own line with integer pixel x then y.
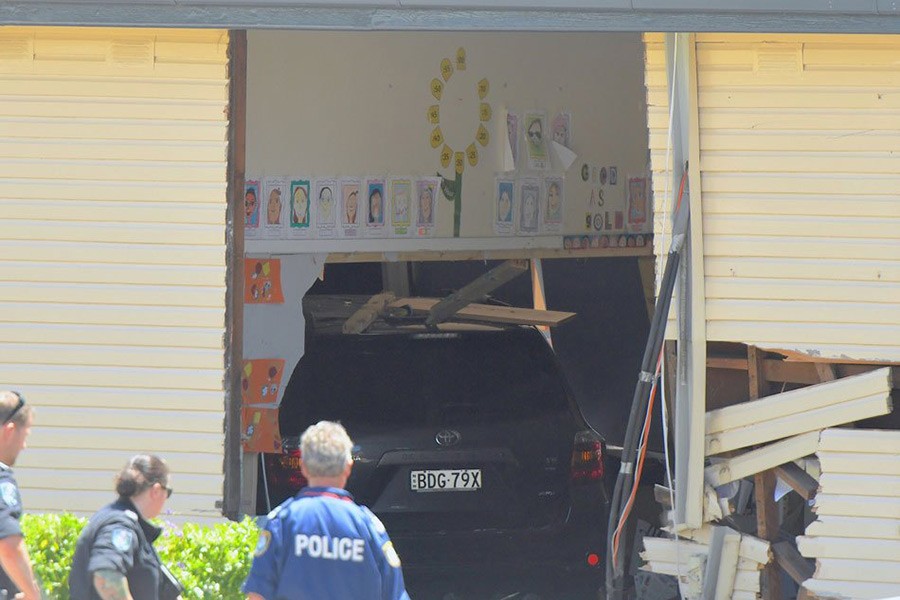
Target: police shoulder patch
{"type": "Point", "coordinates": [376, 522]}
{"type": "Point", "coordinates": [121, 539]}
{"type": "Point", "coordinates": [391, 555]}
{"type": "Point", "coordinates": [262, 544]}
{"type": "Point", "coordinates": [8, 494]}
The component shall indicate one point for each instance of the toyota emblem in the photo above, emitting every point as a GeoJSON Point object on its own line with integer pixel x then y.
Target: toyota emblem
{"type": "Point", "coordinates": [447, 437]}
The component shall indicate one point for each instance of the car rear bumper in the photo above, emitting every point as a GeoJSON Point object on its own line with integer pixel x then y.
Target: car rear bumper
{"type": "Point", "coordinates": [564, 547]}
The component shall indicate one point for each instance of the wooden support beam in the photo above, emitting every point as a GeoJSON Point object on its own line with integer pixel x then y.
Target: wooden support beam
{"type": "Point", "coordinates": [492, 314]}
{"type": "Point", "coordinates": [800, 481]}
{"type": "Point", "coordinates": [366, 315]}
{"type": "Point", "coordinates": [767, 517]}
{"type": "Point", "coordinates": [475, 290]}
{"type": "Point", "coordinates": [788, 558]}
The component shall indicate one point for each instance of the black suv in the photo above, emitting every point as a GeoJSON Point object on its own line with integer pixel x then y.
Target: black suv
{"type": "Point", "coordinates": [469, 445]}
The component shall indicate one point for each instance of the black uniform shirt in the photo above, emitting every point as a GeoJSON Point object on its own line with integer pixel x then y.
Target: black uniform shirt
{"type": "Point", "coordinates": [10, 513]}
{"type": "Point", "coordinates": [117, 539]}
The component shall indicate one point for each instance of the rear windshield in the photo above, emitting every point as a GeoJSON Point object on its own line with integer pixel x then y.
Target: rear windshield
{"type": "Point", "coordinates": [424, 379]}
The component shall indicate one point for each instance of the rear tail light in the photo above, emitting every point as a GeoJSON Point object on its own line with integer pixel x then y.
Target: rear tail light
{"type": "Point", "coordinates": [587, 458]}
{"type": "Point", "coordinates": [592, 559]}
{"type": "Point", "coordinates": [284, 470]}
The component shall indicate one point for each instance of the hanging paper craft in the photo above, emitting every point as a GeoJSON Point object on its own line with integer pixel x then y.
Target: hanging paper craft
{"type": "Point", "coordinates": [553, 208]}
{"type": "Point", "coordinates": [401, 195]}
{"type": "Point", "coordinates": [259, 430]}
{"type": "Point", "coordinates": [535, 144]}
{"type": "Point", "coordinates": [529, 203]}
{"type": "Point", "coordinates": [262, 281]}
{"type": "Point", "coordinates": [504, 207]}
{"type": "Point", "coordinates": [637, 203]}
{"type": "Point", "coordinates": [274, 198]}
{"type": "Point", "coordinates": [426, 192]}
{"type": "Point", "coordinates": [251, 208]}
{"type": "Point", "coordinates": [375, 208]}
{"type": "Point", "coordinates": [561, 129]}
{"type": "Point", "coordinates": [455, 158]}
{"type": "Point", "coordinates": [325, 192]}
{"type": "Point", "coordinates": [350, 207]}
{"type": "Point", "coordinates": [299, 209]}
{"type": "Point", "coordinates": [261, 380]}
{"type": "Point", "coordinates": [511, 152]}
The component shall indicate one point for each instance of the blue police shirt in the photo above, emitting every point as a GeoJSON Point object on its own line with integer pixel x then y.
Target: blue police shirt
{"type": "Point", "coordinates": [321, 545]}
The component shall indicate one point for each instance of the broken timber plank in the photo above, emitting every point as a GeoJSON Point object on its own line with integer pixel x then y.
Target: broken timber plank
{"type": "Point", "coordinates": [848, 569]}
{"type": "Point", "coordinates": [773, 429]}
{"type": "Point", "coordinates": [475, 290]}
{"type": "Point", "coordinates": [862, 484]}
{"type": "Point", "coordinates": [799, 401]}
{"type": "Point", "coordinates": [366, 315]}
{"type": "Point", "coordinates": [886, 441]}
{"type": "Point", "coordinates": [786, 556]}
{"type": "Point", "coordinates": [854, 527]}
{"type": "Point", "coordinates": [800, 481]}
{"type": "Point", "coordinates": [859, 590]}
{"type": "Point", "coordinates": [829, 547]}
{"type": "Point", "coordinates": [847, 505]}
{"type": "Point", "coordinates": [491, 313]}
{"type": "Point", "coordinates": [762, 459]}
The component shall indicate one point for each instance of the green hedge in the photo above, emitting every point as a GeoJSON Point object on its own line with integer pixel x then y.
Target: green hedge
{"type": "Point", "coordinates": [211, 561]}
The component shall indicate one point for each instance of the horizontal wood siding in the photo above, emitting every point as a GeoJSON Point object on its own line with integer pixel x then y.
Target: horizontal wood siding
{"type": "Point", "coordinates": [856, 536]}
{"type": "Point", "coordinates": [799, 137]}
{"type": "Point", "coordinates": [112, 257]}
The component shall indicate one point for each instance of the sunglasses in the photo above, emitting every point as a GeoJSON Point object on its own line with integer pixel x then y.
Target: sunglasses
{"type": "Point", "coordinates": [17, 408]}
{"type": "Point", "coordinates": [169, 492]}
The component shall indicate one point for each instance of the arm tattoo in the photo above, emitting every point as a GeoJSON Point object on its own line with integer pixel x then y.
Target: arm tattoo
{"type": "Point", "coordinates": [111, 585]}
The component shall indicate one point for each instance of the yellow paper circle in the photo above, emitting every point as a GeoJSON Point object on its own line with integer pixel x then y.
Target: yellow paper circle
{"type": "Point", "coordinates": [482, 136]}
{"type": "Point", "coordinates": [460, 59]}
{"type": "Point", "coordinates": [437, 138]}
{"type": "Point", "coordinates": [434, 114]}
{"type": "Point", "coordinates": [437, 88]}
{"type": "Point", "coordinates": [266, 269]}
{"type": "Point", "coordinates": [459, 161]}
{"type": "Point", "coordinates": [484, 111]}
{"type": "Point", "coordinates": [446, 156]}
{"type": "Point", "coordinates": [472, 154]}
{"type": "Point", "coordinates": [446, 69]}
{"type": "Point", "coordinates": [248, 369]}
{"type": "Point", "coordinates": [483, 87]}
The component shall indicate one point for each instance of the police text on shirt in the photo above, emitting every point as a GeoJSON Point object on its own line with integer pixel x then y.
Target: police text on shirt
{"type": "Point", "coordinates": [324, 546]}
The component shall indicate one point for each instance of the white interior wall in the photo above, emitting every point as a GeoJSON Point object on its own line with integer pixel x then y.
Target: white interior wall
{"type": "Point", "coordinates": [354, 104]}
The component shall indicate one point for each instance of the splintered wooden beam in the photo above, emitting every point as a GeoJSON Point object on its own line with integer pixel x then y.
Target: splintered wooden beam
{"type": "Point", "coordinates": [800, 481]}
{"type": "Point", "coordinates": [475, 290]}
{"type": "Point", "coordinates": [789, 559]}
{"type": "Point", "coordinates": [492, 314]}
{"type": "Point", "coordinates": [366, 315]}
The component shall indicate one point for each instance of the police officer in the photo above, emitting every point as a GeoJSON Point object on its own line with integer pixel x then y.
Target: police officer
{"type": "Point", "coordinates": [114, 556]}
{"type": "Point", "coordinates": [16, 575]}
{"type": "Point", "coordinates": [321, 545]}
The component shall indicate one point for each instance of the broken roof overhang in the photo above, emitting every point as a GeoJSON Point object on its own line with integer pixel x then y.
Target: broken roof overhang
{"type": "Point", "coordinates": [768, 16]}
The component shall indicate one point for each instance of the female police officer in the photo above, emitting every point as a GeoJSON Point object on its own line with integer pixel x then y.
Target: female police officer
{"type": "Point", "coordinates": [114, 556]}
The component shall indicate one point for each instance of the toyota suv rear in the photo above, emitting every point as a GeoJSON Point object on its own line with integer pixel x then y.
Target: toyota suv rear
{"type": "Point", "coordinates": [468, 444]}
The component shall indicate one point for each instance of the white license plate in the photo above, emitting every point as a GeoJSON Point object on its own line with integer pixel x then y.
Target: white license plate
{"type": "Point", "coordinates": [445, 480]}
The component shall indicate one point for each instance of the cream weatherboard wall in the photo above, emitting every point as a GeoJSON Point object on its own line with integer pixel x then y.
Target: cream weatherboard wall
{"type": "Point", "coordinates": [112, 257]}
{"type": "Point", "coordinates": [800, 172]}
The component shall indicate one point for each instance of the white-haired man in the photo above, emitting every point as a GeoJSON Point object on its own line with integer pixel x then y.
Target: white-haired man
{"type": "Point", "coordinates": [320, 544]}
